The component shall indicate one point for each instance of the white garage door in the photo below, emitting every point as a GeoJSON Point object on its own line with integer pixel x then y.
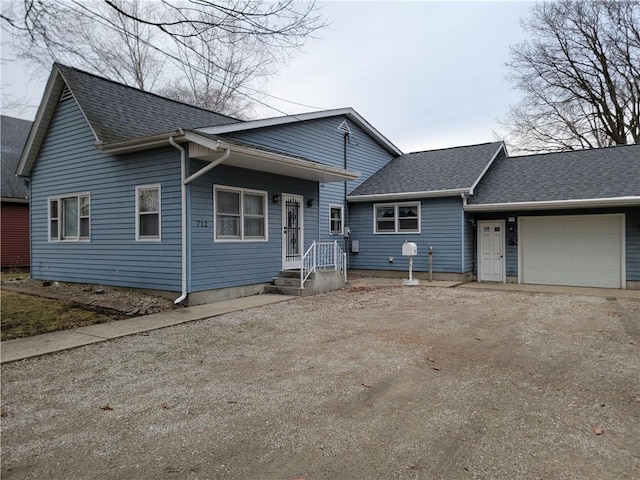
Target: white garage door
{"type": "Point", "coordinates": [575, 250]}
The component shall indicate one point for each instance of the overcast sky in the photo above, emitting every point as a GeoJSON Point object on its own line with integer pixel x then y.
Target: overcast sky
{"type": "Point", "coordinates": [425, 74]}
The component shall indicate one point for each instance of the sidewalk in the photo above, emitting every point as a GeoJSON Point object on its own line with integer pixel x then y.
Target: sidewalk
{"type": "Point", "coordinates": [21, 348]}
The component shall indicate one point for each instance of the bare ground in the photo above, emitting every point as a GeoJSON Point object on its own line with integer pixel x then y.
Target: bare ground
{"type": "Point", "coordinates": [121, 300]}
{"type": "Point", "coordinates": [378, 382]}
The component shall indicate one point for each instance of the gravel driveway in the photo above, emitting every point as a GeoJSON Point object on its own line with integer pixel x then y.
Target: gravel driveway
{"type": "Point", "coordinates": [379, 383]}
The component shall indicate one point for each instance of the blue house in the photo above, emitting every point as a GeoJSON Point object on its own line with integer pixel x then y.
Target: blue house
{"type": "Point", "coordinates": [132, 189]}
{"type": "Point", "coordinates": [569, 218]}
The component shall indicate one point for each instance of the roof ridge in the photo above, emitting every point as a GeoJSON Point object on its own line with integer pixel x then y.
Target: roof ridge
{"type": "Point", "coordinates": [573, 152]}
{"type": "Point", "coordinates": [452, 148]}
{"type": "Point", "coordinates": [58, 64]}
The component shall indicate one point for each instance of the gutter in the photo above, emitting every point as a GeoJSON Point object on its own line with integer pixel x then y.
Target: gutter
{"type": "Point", "coordinates": [141, 144]}
{"type": "Point", "coordinates": [555, 204]}
{"type": "Point", "coordinates": [408, 195]}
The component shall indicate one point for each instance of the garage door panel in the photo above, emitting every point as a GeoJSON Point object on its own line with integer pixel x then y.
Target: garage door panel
{"type": "Point", "coordinates": [572, 250]}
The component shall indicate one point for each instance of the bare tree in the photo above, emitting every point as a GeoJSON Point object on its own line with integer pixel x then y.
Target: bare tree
{"type": "Point", "coordinates": [200, 80]}
{"type": "Point", "coordinates": [212, 49]}
{"type": "Point", "coordinates": [579, 75]}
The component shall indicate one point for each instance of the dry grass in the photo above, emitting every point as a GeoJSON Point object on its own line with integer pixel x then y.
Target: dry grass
{"type": "Point", "coordinates": [26, 315]}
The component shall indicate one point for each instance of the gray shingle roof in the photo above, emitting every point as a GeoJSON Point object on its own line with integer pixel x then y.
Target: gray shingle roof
{"type": "Point", "coordinates": [14, 135]}
{"type": "Point", "coordinates": [432, 170]}
{"type": "Point", "coordinates": [583, 174]}
{"type": "Point", "coordinates": [117, 112]}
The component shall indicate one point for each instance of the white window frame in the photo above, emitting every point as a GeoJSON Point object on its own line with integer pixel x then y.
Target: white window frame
{"type": "Point", "coordinates": [341, 207]}
{"type": "Point", "coordinates": [149, 238]}
{"type": "Point", "coordinates": [241, 193]}
{"type": "Point", "coordinates": [396, 207]}
{"type": "Point", "coordinates": [58, 235]}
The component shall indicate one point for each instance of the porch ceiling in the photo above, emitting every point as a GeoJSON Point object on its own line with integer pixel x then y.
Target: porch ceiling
{"type": "Point", "coordinates": [243, 156]}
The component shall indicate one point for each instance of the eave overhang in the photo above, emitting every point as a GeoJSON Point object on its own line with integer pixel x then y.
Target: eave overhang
{"type": "Point", "coordinates": [241, 156]}
{"type": "Point", "coordinates": [383, 197]}
{"type": "Point", "coordinates": [632, 201]}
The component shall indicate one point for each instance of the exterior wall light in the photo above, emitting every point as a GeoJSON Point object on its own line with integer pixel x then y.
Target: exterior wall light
{"type": "Point", "coordinates": [310, 203]}
{"type": "Point", "coordinates": [276, 199]}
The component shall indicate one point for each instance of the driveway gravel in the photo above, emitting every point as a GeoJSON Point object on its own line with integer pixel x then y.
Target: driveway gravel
{"type": "Point", "coordinates": [369, 383]}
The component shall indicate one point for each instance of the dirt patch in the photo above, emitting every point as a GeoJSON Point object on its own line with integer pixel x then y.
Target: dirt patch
{"type": "Point", "coordinates": [122, 300]}
{"type": "Point", "coordinates": [404, 383]}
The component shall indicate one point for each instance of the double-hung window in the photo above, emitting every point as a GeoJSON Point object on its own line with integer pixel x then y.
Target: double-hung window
{"type": "Point", "coordinates": [240, 214]}
{"type": "Point", "coordinates": [336, 219]}
{"type": "Point", "coordinates": [148, 221]}
{"type": "Point", "coordinates": [70, 218]}
{"type": "Point", "coordinates": [396, 217]}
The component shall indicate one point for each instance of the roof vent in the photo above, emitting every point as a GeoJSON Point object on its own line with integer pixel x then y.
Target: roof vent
{"type": "Point", "coordinates": [66, 94]}
{"type": "Point", "coordinates": [344, 128]}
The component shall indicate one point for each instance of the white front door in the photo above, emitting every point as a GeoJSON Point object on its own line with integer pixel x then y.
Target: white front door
{"type": "Point", "coordinates": [292, 232]}
{"type": "Point", "coordinates": [491, 251]}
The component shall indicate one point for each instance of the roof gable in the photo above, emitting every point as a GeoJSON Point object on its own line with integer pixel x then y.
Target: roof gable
{"type": "Point", "coordinates": [445, 171]}
{"type": "Point", "coordinates": [115, 112]}
{"type": "Point", "coordinates": [14, 135]}
{"type": "Point", "coordinates": [119, 113]}
{"type": "Point", "coordinates": [600, 173]}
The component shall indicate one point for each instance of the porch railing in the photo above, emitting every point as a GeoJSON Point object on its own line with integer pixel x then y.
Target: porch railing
{"type": "Point", "coordinates": [323, 256]}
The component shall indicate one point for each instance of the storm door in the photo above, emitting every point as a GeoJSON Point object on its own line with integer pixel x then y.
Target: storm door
{"type": "Point", "coordinates": [292, 232]}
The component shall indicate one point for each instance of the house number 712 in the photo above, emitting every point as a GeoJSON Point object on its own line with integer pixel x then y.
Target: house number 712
{"type": "Point", "coordinates": [202, 223]}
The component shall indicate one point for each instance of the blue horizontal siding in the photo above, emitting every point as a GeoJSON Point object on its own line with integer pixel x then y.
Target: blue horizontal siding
{"type": "Point", "coordinates": [219, 265]}
{"type": "Point", "coordinates": [69, 163]}
{"type": "Point", "coordinates": [321, 141]}
{"type": "Point", "coordinates": [632, 222]}
{"type": "Point", "coordinates": [441, 229]}
{"type": "Point", "coordinates": [632, 234]}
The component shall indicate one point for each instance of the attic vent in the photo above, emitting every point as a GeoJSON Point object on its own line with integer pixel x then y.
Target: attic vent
{"type": "Point", "coordinates": [66, 94]}
{"type": "Point", "coordinates": [344, 128]}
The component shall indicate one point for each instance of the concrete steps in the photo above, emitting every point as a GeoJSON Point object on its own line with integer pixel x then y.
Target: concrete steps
{"type": "Point", "coordinates": [288, 283]}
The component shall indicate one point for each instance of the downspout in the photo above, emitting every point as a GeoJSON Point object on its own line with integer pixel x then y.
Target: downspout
{"type": "Point", "coordinates": [463, 226]}
{"type": "Point", "coordinates": [183, 200]}
{"type": "Point", "coordinates": [345, 208]}
{"type": "Point", "coordinates": [184, 181]}
{"type": "Point", "coordinates": [204, 170]}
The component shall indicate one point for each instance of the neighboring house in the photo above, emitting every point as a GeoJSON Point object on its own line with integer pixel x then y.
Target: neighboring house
{"type": "Point", "coordinates": [132, 189]}
{"type": "Point", "coordinates": [14, 213]}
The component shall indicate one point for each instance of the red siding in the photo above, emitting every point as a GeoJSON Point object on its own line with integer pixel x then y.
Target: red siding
{"type": "Point", "coordinates": [14, 235]}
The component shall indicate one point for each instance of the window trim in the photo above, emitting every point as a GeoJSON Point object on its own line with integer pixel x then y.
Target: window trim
{"type": "Point", "coordinates": [396, 206]}
{"type": "Point", "coordinates": [341, 207]}
{"type": "Point", "coordinates": [149, 238]}
{"type": "Point", "coordinates": [241, 192]}
{"type": "Point", "coordinates": [60, 218]}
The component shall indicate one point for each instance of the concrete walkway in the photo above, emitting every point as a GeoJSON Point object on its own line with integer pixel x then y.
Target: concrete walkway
{"type": "Point", "coordinates": [21, 348]}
